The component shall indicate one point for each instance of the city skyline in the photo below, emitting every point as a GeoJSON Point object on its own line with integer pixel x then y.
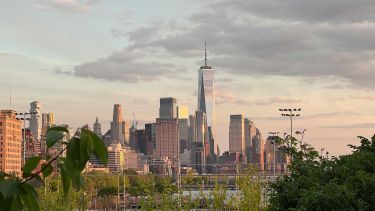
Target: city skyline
{"type": "Point", "coordinates": [263, 61]}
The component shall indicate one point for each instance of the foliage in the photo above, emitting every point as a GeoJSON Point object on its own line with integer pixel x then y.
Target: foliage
{"type": "Point", "coordinates": [52, 197]}
{"type": "Point", "coordinates": [317, 183]}
{"type": "Point", "coordinates": [17, 193]}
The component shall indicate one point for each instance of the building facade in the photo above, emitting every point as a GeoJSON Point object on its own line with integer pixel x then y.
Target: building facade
{"type": "Point", "coordinates": [36, 120]}
{"type": "Point", "coordinates": [237, 134]}
{"type": "Point", "coordinates": [117, 125]}
{"type": "Point", "coordinates": [97, 128]}
{"type": "Point", "coordinates": [168, 108]}
{"type": "Point", "coordinates": [10, 142]}
{"type": "Point", "coordinates": [166, 138]}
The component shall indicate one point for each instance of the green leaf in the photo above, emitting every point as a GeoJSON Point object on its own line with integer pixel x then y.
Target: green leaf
{"type": "Point", "coordinates": [59, 128]}
{"type": "Point", "coordinates": [30, 165]}
{"type": "Point", "coordinates": [86, 147]}
{"type": "Point", "coordinates": [100, 151]}
{"type": "Point", "coordinates": [16, 204]}
{"type": "Point", "coordinates": [53, 136]}
{"type": "Point", "coordinates": [9, 188]}
{"type": "Point", "coordinates": [29, 197]}
{"type": "Point", "coordinates": [47, 171]}
{"type": "Point", "coordinates": [73, 152]}
{"type": "Point", "coordinates": [65, 179]}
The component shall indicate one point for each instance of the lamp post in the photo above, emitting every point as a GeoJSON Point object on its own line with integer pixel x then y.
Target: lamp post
{"type": "Point", "coordinates": [24, 118]}
{"type": "Point", "coordinates": [289, 112]}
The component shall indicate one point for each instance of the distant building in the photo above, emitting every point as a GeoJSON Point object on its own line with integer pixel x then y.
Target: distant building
{"type": "Point", "coordinates": [48, 119]}
{"type": "Point", "coordinates": [237, 134]}
{"type": "Point", "coordinates": [183, 133]}
{"type": "Point", "coordinates": [150, 138]}
{"type": "Point", "coordinates": [116, 158]}
{"type": "Point", "coordinates": [36, 120]}
{"type": "Point", "coordinates": [118, 125]}
{"type": "Point", "coordinates": [199, 147]}
{"type": "Point", "coordinates": [231, 163]}
{"type": "Point", "coordinates": [166, 138]}
{"type": "Point", "coordinates": [97, 128]}
{"type": "Point", "coordinates": [206, 94]}
{"type": "Point", "coordinates": [183, 112]}
{"type": "Point", "coordinates": [10, 142]}
{"type": "Point", "coordinates": [250, 133]}
{"type": "Point", "coordinates": [192, 132]}
{"type": "Point", "coordinates": [168, 108]}
{"type": "Point", "coordinates": [258, 151]}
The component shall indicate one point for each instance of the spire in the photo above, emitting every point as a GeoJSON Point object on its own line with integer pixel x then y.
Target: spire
{"type": "Point", "coordinates": [97, 120]}
{"type": "Point", "coordinates": [205, 54]}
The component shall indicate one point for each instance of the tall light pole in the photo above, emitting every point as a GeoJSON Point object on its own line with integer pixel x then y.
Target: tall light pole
{"type": "Point", "coordinates": [289, 112]}
{"type": "Point", "coordinates": [24, 118]}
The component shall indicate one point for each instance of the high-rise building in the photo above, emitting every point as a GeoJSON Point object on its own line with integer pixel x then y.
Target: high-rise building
{"type": "Point", "coordinates": [36, 120]}
{"type": "Point", "coordinates": [126, 129]}
{"type": "Point", "coordinates": [182, 112]}
{"type": "Point", "coordinates": [10, 142]}
{"type": "Point", "coordinates": [183, 134]}
{"type": "Point", "coordinates": [48, 120]}
{"type": "Point", "coordinates": [118, 125]}
{"type": "Point", "coordinates": [237, 134]}
{"type": "Point", "coordinates": [97, 128]}
{"type": "Point", "coordinates": [258, 151]}
{"type": "Point", "coordinates": [206, 94]}
{"type": "Point", "coordinates": [168, 108]}
{"type": "Point", "coordinates": [167, 129]}
{"type": "Point", "coordinates": [199, 146]}
{"type": "Point", "coordinates": [166, 138]}
{"type": "Point", "coordinates": [116, 158]}
{"type": "Point", "coordinates": [250, 132]}
{"type": "Point", "coordinates": [150, 136]}
{"type": "Point", "coordinates": [192, 134]}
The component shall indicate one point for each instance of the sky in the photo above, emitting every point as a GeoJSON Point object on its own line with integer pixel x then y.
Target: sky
{"type": "Point", "coordinates": [79, 57]}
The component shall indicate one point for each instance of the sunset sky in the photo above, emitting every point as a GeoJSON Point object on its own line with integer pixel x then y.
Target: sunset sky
{"type": "Point", "coordinates": [78, 58]}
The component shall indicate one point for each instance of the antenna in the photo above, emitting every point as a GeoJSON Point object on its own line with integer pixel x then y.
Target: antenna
{"type": "Point", "coordinates": [205, 54]}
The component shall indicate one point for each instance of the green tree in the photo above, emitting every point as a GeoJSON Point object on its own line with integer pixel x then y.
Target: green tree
{"type": "Point", "coordinates": [17, 193]}
{"type": "Point", "coordinates": [317, 183]}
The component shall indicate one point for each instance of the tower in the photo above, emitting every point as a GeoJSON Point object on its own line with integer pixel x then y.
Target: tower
{"type": "Point", "coordinates": [206, 95]}
{"type": "Point", "coordinates": [118, 134]}
{"type": "Point", "coordinates": [97, 128]}
{"type": "Point", "coordinates": [36, 120]}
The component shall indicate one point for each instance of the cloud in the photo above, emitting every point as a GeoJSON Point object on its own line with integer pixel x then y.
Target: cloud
{"type": "Point", "coordinates": [126, 66]}
{"type": "Point", "coordinates": [308, 11]}
{"type": "Point", "coordinates": [284, 38]}
{"type": "Point", "coordinates": [278, 100]}
{"type": "Point", "coordinates": [65, 5]}
{"type": "Point", "coordinates": [353, 126]}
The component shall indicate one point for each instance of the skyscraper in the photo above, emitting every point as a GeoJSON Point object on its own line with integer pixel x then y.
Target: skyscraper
{"type": "Point", "coordinates": [35, 120]}
{"type": "Point", "coordinates": [10, 142]}
{"type": "Point", "coordinates": [117, 125]}
{"type": "Point", "coordinates": [258, 150]}
{"type": "Point", "coordinates": [199, 146]}
{"type": "Point", "coordinates": [166, 138]}
{"type": "Point", "coordinates": [250, 132]}
{"type": "Point", "coordinates": [48, 119]}
{"type": "Point", "coordinates": [237, 134]}
{"type": "Point", "coordinates": [167, 129]}
{"type": "Point", "coordinates": [168, 108]}
{"type": "Point", "coordinates": [206, 93]}
{"type": "Point", "coordinates": [97, 128]}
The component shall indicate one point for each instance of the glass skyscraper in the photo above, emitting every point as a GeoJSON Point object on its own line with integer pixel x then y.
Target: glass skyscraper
{"type": "Point", "coordinates": [206, 93]}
